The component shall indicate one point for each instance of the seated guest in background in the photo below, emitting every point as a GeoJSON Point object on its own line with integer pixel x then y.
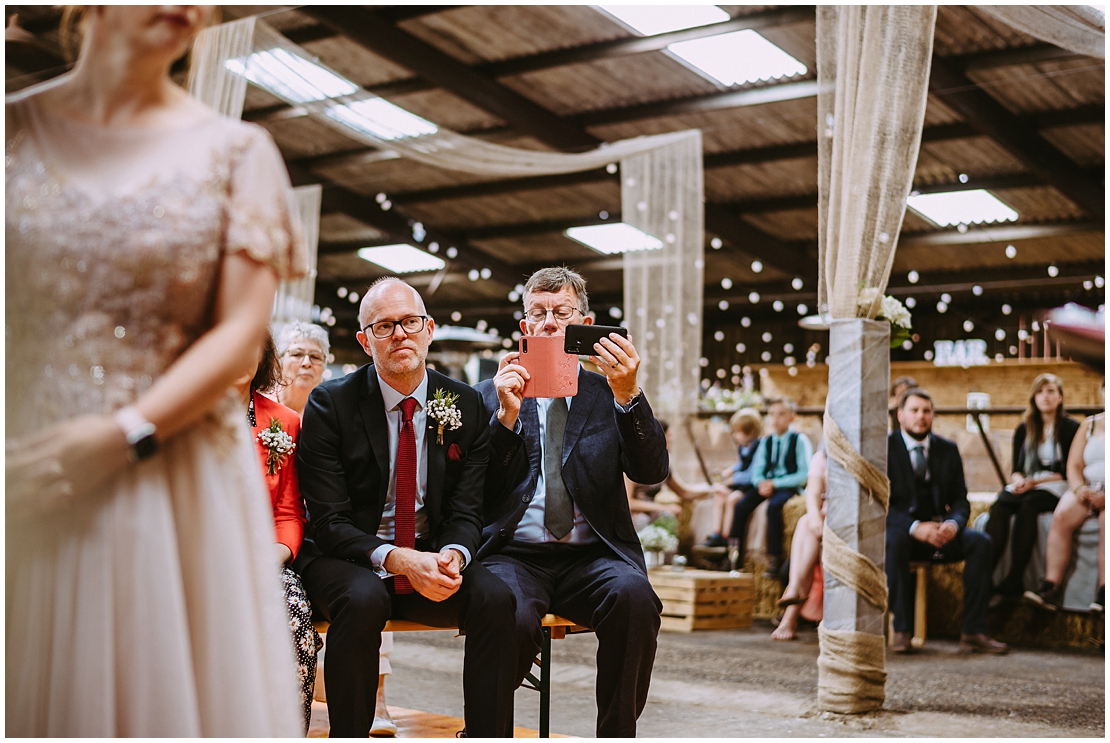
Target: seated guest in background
{"type": "Point", "coordinates": [779, 468]}
{"type": "Point", "coordinates": [558, 529]}
{"type": "Point", "coordinates": [927, 521]}
{"type": "Point", "coordinates": [1086, 496]}
{"type": "Point", "coordinates": [303, 350]}
{"type": "Point", "coordinates": [395, 513]}
{"type": "Point", "coordinates": [897, 387]}
{"type": "Point", "coordinates": [746, 427]}
{"type": "Point", "coordinates": [805, 548]}
{"type": "Point", "coordinates": [275, 429]}
{"type": "Point", "coordinates": [641, 498]}
{"type": "Point", "coordinates": [1041, 445]}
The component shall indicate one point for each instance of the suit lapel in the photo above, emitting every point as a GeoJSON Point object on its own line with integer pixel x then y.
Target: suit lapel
{"type": "Point", "coordinates": [579, 412]}
{"type": "Point", "coordinates": [372, 408]}
{"type": "Point", "coordinates": [530, 430]}
{"type": "Point", "coordinates": [437, 453]}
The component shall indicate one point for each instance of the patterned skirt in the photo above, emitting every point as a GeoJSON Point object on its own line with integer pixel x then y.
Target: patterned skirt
{"type": "Point", "coordinates": [306, 641]}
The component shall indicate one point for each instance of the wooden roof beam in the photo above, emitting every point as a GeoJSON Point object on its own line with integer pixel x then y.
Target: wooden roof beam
{"type": "Point", "coordinates": [1018, 137]}
{"type": "Point", "coordinates": [367, 28]}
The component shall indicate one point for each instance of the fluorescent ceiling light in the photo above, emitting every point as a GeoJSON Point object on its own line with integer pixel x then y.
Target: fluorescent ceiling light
{"type": "Point", "coordinates": [401, 258]}
{"type": "Point", "coordinates": [380, 118]}
{"type": "Point", "coordinates": [291, 77]}
{"type": "Point", "coordinates": [614, 238]}
{"type": "Point", "coordinates": [961, 207]}
{"type": "Point", "coordinates": [738, 57]}
{"type": "Point", "coordinates": [650, 20]}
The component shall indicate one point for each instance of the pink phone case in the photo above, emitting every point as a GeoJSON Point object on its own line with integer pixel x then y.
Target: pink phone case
{"type": "Point", "coordinates": [553, 372]}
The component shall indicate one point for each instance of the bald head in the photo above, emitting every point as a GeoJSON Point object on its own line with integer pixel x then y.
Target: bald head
{"type": "Point", "coordinates": [385, 288]}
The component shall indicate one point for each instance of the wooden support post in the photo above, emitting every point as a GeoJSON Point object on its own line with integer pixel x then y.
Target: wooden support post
{"type": "Point", "coordinates": [859, 382]}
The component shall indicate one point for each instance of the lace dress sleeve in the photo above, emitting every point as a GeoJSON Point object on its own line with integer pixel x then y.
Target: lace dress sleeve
{"type": "Point", "coordinates": [262, 216]}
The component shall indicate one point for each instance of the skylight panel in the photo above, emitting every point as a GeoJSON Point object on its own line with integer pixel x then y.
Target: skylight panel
{"type": "Point", "coordinates": [961, 207]}
{"type": "Point", "coordinates": [401, 258]}
{"type": "Point", "coordinates": [291, 77]}
{"type": "Point", "coordinates": [738, 57]}
{"type": "Point", "coordinates": [380, 118]}
{"type": "Point", "coordinates": [613, 238]}
{"type": "Point", "coordinates": [650, 20]}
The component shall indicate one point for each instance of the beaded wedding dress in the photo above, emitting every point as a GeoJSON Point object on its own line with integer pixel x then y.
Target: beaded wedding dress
{"type": "Point", "coordinates": [153, 607]}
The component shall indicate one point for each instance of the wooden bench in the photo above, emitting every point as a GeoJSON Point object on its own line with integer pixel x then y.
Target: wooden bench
{"type": "Point", "coordinates": [554, 628]}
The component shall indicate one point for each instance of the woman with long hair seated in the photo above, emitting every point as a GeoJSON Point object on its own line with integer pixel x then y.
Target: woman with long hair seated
{"type": "Point", "coordinates": [805, 549]}
{"type": "Point", "coordinates": [275, 429]}
{"type": "Point", "coordinates": [1086, 497]}
{"type": "Point", "coordinates": [1042, 443]}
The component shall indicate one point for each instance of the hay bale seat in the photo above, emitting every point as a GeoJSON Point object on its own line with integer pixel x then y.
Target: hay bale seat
{"type": "Point", "coordinates": [554, 628]}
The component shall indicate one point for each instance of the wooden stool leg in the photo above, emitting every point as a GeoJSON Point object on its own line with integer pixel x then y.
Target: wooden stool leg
{"type": "Point", "coordinates": [919, 607]}
{"type": "Point", "coordinates": [545, 685]}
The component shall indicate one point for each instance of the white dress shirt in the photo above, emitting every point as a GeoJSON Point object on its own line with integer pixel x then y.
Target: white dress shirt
{"type": "Point", "coordinates": [392, 399]}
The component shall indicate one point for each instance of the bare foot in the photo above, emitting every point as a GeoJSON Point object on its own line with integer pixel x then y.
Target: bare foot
{"type": "Point", "coordinates": [788, 625]}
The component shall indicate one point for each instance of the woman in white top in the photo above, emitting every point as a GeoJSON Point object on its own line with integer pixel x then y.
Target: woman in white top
{"type": "Point", "coordinates": [1042, 443]}
{"type": "Point", "coordinates": [1086, 497]}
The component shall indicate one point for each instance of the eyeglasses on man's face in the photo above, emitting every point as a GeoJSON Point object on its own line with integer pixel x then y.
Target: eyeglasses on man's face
{"type": "Point", "coordinates": [384, 329]}
{"type": "Point", "coordinates": [298, 355]}
{"type": "Point", "coordinates": [562, 314]}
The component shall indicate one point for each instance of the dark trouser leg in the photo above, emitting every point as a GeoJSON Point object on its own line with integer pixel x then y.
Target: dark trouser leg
{"type": "Point", "coordinates": [899, 582]}
{"type": "Point", "coordinates": [484, 609]}
{"type": "Point", "coordinates": [531, 585]}
{"type": "Point", "coordinates": [604, 592]}
{"type": "Point", "coordinates": [354, 599]}
{"type": "Point", "coordinates": [741, 512]}
{"type": "Point", "coordinates": [1033, 504]}
{"type": "Point", "coordinates": [998, 525]}
{"type": "Point", "coordinates": [974, 549]}
{"type": "Point", "coordinates": [774, 521]}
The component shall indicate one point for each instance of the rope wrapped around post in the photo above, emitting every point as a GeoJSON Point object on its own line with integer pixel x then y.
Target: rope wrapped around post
{"type": "Point", "coordinates": [852, 673]}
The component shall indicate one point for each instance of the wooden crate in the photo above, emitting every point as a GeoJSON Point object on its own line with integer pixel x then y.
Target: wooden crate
{"type": "Point", "coordinates": [702, 599]}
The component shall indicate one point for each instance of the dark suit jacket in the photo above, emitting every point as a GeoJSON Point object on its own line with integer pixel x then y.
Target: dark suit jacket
{"type": "Point", "coordinates": [343, 462]}
{"type": "Point", "coordinates": [600, 445]}
{"type": "Point", "coordinates": [1068, 428]}
{"type": "Point", "coordinates": [946, 480]}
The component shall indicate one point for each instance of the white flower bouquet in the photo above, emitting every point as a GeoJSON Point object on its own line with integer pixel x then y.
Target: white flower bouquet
{"type": "Point", "coordinates": [657, 539]}
{"type": "Point", "coordinates": [891, 310]}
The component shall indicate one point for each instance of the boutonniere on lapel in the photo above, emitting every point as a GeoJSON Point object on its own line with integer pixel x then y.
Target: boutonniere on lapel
{"type": "Point", "coordinates": [441, 409]}
{"type": "Point", "coordinates": [278, 443]}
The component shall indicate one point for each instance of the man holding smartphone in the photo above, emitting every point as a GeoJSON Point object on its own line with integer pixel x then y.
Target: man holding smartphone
{"type": "Point", "coordinates": [558, 529]}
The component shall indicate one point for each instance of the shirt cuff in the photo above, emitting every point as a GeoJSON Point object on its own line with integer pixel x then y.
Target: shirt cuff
{"type": "Point", "coordinates": [516, 426]}
{"type": "Point", "coordinates": [913, 527]}
{"type": "Point", "coordinates": [462, 551]}
{"type": "Point", "coordinates": [631, 403]}
{"type": "Point", "coordinates": [953, 522]}
{"type": "Point", "coordinates": [377, 559]}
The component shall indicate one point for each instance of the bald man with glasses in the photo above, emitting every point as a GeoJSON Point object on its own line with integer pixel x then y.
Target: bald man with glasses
{"type": "Point", "coordinates": [394, 499]}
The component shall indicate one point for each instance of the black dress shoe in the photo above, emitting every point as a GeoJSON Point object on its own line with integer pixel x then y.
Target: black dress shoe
{"type": "Point", "coordinates": [1098, 606]}
{"type": "Point", "coordinates": [901, 643]}
{"type": "Point", "coordinates": [773, 564]}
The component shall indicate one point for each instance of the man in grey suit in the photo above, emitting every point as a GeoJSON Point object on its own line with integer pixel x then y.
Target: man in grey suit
{"type": "Point", "coordinates": [557, 528]}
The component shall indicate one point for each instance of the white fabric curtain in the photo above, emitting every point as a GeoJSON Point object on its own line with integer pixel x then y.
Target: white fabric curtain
{"type": "Point", "coordinates": [211, 81]}
{"type": "Point", "coordinates": [661, 194]}
{"type": "Point", "coordinates": [873, 74]}
{"type": "Point", "coordinates": [1077, 28]}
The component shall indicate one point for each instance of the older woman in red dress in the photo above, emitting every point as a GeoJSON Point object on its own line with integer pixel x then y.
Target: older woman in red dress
{"type": "Point", "coordinates": [275, 429]}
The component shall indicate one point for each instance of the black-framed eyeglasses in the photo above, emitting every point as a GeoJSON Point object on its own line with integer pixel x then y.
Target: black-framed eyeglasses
{"type": "Point", "coordinates": [539, 314]}
{"type": "Point", "coordinates": [411, 325]}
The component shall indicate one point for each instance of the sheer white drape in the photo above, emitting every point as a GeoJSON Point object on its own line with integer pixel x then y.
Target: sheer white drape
{"type": "Point", "coordinates": [873, 72]}
{"type": "Point", "coordinates": [211, 81]}
{"type": "Point", "coordinates": [1077, 28]}
{"type": "Point", "coordinates": [661, 194]}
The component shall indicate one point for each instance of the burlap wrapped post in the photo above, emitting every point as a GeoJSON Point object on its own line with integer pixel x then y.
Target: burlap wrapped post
{"type": "Point", "coordinates": [873, 72]}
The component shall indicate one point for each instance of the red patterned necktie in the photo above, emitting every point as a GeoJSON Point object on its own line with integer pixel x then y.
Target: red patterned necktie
{"type": "Point", "coordinates": [404, 512]}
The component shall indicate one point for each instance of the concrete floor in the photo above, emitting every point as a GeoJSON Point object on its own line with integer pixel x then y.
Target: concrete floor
{"type": "Point", "coordinates": [740, 683]}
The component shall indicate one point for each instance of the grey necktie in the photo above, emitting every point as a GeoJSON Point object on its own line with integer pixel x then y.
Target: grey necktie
{"type": "Point", "coordinates": [558, 515]}
{"type": "Point", "coordinates": [917, 456]}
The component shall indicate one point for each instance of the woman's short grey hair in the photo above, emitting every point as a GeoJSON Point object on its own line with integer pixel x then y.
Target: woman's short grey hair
{"type": "Point", "coordinates": [298, 330]}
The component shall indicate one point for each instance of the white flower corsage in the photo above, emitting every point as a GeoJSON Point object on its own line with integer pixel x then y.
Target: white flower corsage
{"type": "Point", "coordinates": [442, 410]}
{"type": "Point", "coordinates": [278, 443]}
